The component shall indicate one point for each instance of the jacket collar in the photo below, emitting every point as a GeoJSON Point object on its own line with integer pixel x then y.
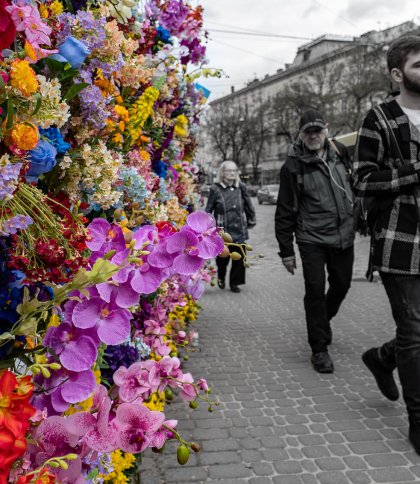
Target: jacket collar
{"type": "Point", "coordinates": [300, 151]}
{"type": "Point", "coordinates": [406, 131]}
{"type": "Point", "coordinates": [235, 184]}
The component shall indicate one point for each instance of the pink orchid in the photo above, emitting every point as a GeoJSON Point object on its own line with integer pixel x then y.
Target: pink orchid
{"type": "Point", "coordinates": [28, 20]}
{"type": "Point", "coordinates": [202, 384]}
{"type": "Point", "coordinates": [153, 327]}
{"type": "Point", "coordinates": [137, 427]}
{"type": "Point", "coordinates": [188, 392]}
{"type": "Point", "coordinates": [163, 434]}
{"type": "Point", "coordinates": [149, 238]}
{"type": "Point", "coordinates": [54, 438]}
{"type": "Point", "coordinates": [99, 433]}
{"type": "Point", "coordinates": [134, 382]}
{"type": "Point", "coordinates": [159, 346]}
{"type": "Point", "coordinates": [123, 294]}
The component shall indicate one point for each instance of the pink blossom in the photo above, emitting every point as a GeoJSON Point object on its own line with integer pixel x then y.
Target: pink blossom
{"type": "Point", "coordinates": [134, 382]}
{"type": "Point", "coordinates": [202, 384]}
{"type": "Point", "coordinates": [184, 245]}
{"type": "Point", "coordinates": [163, 434]}
{"type": "Point", "coordinates": [137, 427]}
{"type": "Point", "coordinates": [188, 392]}
{"type": "Point", "coordinates": [153, 327]}
{"type": "Point", "coordinates": [204, 225]}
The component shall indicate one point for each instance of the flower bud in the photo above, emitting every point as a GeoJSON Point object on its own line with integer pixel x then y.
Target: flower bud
{"type": "Point", "coordinates": [45, 372]}
{"type": "Point", "coordinates": [210, 409]}
{"type": "Point", "coordinates": [225, 252]}
{"type": "Point", "coordinates": [186, 357]}
{"type": "Point", "coordinates": [169, 394]}
{"type": "Point", "coordinates": [235, 256]}
{"type": "Point", "coordinates": [195, 446]}
{"type": "Point", "coordinates": [226, 237]}
{"type": "Point", "coordinates": [54, 464]}
{"type": "Point", "coordinates": [109, 254]}
{"type": "Point", "coordinates": [139, 220]}
{"type": "Point", "coordinates": [128, 236]}
{"type": "Point", "coordinates": [118, 213]}
{"type": "Point", "coordinates": [248, 247]}
{"type": "Point", "coordinates": [55, 366]}
{"type": "Point", "coordinates": [71, 456]}
{"type": "Point", "coordinates": [246, 264]}
{"type": "Point", "coordinates": [182, 454]}
{"type": "Point", "coordinates": [36, 370]}
{"type": "Point", "coordinates": [64, 465]}
{"type": "Point", "coordinates": [193, 404]}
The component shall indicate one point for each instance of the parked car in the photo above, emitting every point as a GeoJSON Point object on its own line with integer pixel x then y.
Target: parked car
{"type": "Point", "coordinates": [252, 190]}
{"type": "Point", "coordinates": [268, 193]}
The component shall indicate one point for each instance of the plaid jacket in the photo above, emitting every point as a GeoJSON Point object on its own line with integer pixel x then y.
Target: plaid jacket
{"type": "Point", "coordinates": [395, 184]}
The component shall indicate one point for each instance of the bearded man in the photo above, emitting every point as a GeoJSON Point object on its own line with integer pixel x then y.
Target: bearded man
{"type": "Point", "coordinates": [390, 171]}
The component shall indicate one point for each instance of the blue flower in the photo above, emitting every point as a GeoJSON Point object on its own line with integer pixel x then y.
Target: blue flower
{"type": "Point", "coordinates": [164, 35]}
{"type": "Point", "coordinates": [42, 160]}
{"type": "Point", "coordinates": [72, 51]}
{"type": "Point", "coordinates": [56, 139]}
{"type": "Point", "coordinates": [160, 168]}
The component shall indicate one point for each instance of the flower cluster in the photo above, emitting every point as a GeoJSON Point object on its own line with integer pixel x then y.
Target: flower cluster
{"type": "Point", "coordinates": [102, 255]}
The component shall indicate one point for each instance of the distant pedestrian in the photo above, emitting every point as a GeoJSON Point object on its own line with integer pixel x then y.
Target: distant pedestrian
{"type": "Point", "coordinates": [390, 171]}
{"type": "Point", "coordinates": [231, 205]}
{"type": "Point", "coordinates": [315, 206]}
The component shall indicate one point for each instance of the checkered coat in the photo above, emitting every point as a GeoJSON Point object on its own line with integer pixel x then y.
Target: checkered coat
{"type": "Point", "coordinates": [378, 172]}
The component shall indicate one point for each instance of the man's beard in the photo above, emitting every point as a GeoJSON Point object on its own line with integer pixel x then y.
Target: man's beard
{"type": "Point", "coordinates": [410, 84]}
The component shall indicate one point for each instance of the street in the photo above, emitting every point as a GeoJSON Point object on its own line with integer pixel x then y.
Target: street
{"type": "Point", "coordinates": [279, 421]}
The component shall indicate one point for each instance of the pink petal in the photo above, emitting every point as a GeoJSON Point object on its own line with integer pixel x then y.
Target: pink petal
{"type": "Point", "coordinates": [80, 423]}
{"type": "Point", "coordinates": [180, 241]}
{"type": "Point", "coordinates": [147, 282]}
{"type": "Point", "coordinates": [210, 246]}
{"type": "Point", "coordinates": [98, 230]}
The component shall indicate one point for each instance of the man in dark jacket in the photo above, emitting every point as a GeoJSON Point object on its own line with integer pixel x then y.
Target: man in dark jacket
{"type": "Point", "coordinates": [391, 173]}
{"type": "Point", "coordinates": [315, 206]}
{"type": "Point", "coordinates": [233, 210]}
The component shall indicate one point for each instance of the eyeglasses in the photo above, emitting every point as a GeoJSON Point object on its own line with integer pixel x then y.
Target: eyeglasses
{"type": "Point", "coordinates": [232, 170]}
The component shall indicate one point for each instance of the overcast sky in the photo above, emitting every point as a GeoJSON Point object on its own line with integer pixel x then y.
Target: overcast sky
{"type": "Point", "coordinates": [244, 57]}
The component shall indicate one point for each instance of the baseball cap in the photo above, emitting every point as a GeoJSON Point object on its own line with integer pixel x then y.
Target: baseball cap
{"type": "Point", "coordinates": [311, 119]}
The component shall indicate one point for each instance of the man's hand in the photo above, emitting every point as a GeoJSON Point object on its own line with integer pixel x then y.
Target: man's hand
{"type": "Point", "coordinates": [290, 264]}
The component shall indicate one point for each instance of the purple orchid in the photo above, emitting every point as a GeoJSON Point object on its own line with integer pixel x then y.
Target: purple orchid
{"type": "Point", "coordinates": [112, 322]}
{"type": "Point", "coordinates": [184, 245]}
{"type": "Point", "coordinates": [163, 434]}
{"type": "Point", "coordinates": [105, 237]}
{"type": "Point", "coordinates": [204, 225]}
{"type": "Point", "coordinates": [137, 427]}
{"type": "Point", "coordinates": [150, 239]}
{"type": "Point", "coordinates": [77, 349]}
{"type": "Point", "coordinates": [123, 294]}
{"type": "Point", "coordinates": [68, 387]}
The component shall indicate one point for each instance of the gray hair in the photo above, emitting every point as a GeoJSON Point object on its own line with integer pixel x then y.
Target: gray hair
{"type": "Point", "coordinates": [221, 170]}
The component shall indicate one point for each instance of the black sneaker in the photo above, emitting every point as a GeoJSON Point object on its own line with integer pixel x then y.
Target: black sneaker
{"type": "Point", "coordinates": [322, 362]}
{"type": "Point", "coordinates": [221, 283]}
{"type": "Point", "coordinates": [383, 376]}
{"type": "Point", "coordinates": [235, 289]}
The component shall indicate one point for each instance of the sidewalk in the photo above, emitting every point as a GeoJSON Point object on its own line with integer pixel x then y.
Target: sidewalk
{"type": "Point", "coordinates": [279, 421]}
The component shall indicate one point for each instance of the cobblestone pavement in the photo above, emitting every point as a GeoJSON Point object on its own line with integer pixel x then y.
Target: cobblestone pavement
{"type": "Point", "coordinates": [279, 421]}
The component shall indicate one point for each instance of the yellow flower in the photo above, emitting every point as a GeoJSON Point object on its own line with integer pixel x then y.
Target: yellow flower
{"type": "Point", "coordinates": [24, 136]}
{"type": "Point", "coordinates": [157, 402]}
{"type": "Point", "coordinates": [56, 7]}
{"type": "Point", "coordinates": [120, 463]}
{"type": "Point", "coordinates": [30, 51]}
{"type": "Point", "coordinates": [181, 124]}
{"type": "Point", "coordinates": [121, 112]}
{"type": "Point", "coordinates": [22, 77]}
{"type": "Point", "coordinates": [54, 320]}
{"type": "Point", "coordinates": [43, 11]}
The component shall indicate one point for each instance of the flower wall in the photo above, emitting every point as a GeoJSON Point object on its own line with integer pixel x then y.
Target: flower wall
{"type": "Point", "coordinates": [102, 256]}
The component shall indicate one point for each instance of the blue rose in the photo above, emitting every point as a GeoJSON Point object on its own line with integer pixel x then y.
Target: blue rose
{"type": "Point", "coordinates": [72, 51]}
{"type": "Point", "coordinates": [164, 35]}
{"type": "Point", "coordinates": [56, 139]}
{"type": "Point", "coordinates": [42, 160]}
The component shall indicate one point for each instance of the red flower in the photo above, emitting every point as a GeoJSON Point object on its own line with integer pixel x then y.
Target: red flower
{"type": "Point", "coordinates": [7, 27]}
{"type": "Point", "coordinates": [44, 477]}
{"type": "Point", "coordinates": [15, 412]}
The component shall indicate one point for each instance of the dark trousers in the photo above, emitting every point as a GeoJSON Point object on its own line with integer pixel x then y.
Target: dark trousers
{"type": "Point", "coordinates": [403, 351]}
{"type": "Point", "coordinates": [237, 271]}
{"type": "Point", "coordinates": [321, 307]}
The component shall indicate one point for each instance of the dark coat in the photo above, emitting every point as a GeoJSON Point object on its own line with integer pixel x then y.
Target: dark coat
{"type": "Point", "coordinates": [395, 184]}
{"type": "Point", "coordinates": [233, 210]}
{"type": "Point", "coordinates": [315, 200]}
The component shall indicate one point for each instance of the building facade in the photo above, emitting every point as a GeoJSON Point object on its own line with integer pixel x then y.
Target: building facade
{"type": "Point", "coordinates": [332, 70]}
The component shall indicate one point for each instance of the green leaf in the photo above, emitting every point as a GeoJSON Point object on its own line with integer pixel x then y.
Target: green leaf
{"type": "Point", "coordinates": [74, 90]}
{"type": "Point", "coordinates": [93, 474]}
{"type": "Point", "coordinates": [160, 81]}
{"type": "Point", "coordinates": [54, 66]}
{"type": "Point", "coordinates": [6, 336]}
{"type": "Point", "coordinates": [9, 122]}
{"type": "Point", "coordinates": [38, 100]}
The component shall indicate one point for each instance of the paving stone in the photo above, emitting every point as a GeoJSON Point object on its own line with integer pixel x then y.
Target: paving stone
{"type": "Point", "coordinates": [228, 471]}
{"type": "Point", "coordinates": [263, 468]}
{"type": "Point", "coordinates": [288, 467]}
{"type": "Point", "coordinates": [186, 474]}
{"type": "Point", "coordinates": [392, 474]}
{"type": "Point", "coordinates": [358, 477]}
{"type": "Point", "coordinates": [314, 451]}
{"type": "Point", "coordinates": [386, 460]}
{"type": "Point", "coordinates": [330, 464]}
{"type": "Point", "coordinates": [331, 478]}
{"type": "Point", "coordinates": [355, 462]}
{"type": "Point", "coordinates": [226, 457]}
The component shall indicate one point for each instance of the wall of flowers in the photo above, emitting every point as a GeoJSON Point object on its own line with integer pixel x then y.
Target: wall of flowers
{"type": "Point", "coordinates": [102, 253]}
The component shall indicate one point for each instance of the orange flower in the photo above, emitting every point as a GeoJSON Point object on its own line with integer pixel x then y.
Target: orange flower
{"type": "Point", "coordinates": [24, 136]}
{"type": "Point", "coordinates": [23, 77]}
{"type": "Point", "coordinates": [30, 51]}
{"type": "Point", "coordinates": [44, 477]}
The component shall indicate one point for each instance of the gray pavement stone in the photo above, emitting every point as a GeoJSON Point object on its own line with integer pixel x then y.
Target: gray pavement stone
{"type": "Point", "coordinates": [276, 414]}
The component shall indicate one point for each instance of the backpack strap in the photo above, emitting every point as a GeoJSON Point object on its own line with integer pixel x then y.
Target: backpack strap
{"type": "Point", "coordinates": [346, 162]}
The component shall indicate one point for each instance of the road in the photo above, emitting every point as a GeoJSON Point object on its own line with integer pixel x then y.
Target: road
{"type": "Point", "coordinates": [279, 421]}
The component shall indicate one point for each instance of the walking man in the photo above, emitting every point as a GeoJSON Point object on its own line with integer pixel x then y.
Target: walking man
{"type": "Point", "coordinates": [315, 206]}
{"type": "Point", "coordinates": [390, 171]}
